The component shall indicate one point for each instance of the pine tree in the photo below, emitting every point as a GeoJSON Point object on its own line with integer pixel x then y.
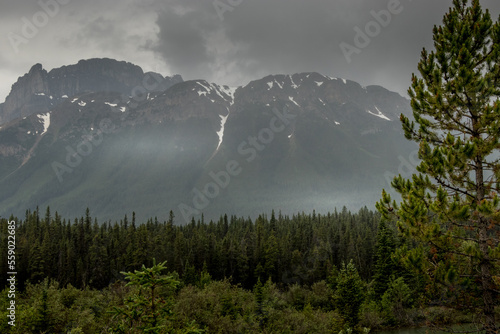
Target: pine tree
{"type": "Point", "coordinates": [349, 294]}
{"type": "Point", "coordinates": [148, 311]}
{"type": "Point", "coordinates": [452, 205]}
{"type": "Point", "coordinates": [42, 320]}
{"type": "Point", "coordinates": [258, 292]}
{"type": "Point", "coordinates": [384, 265]}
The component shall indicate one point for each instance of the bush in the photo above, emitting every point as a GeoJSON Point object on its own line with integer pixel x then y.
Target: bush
{"type": "Point", "coordinates": [297, 296]}
{"type": "Point", "coordinates": [370, 316]}
{"type": "Point", "coordinates": [396, 300]}
{"type": "Point", "coordinates": [218, 308]}
{"type": "Point", "coordinates": [439, 315]}
{"type": "Point", "coordinates": [45, 307]}
{"type": "Point", "coordinates": [320, 296]}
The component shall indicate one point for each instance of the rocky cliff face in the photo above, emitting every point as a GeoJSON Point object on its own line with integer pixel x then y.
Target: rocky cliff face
{"type": "Point", "coordinates": [285, 142]}
{"type": "Point", "coordinates": [27, 95]}
{"type": "Point", "coordinates": [39, 90]}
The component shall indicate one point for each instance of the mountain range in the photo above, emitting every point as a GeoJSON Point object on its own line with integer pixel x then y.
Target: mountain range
{"type": "Point", "coordinates": [106, 135]}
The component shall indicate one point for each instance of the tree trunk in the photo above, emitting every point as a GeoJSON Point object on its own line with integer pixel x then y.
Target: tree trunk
{"type": "Point", "coordinates": [485, 265]}
{"type": "Point", "coordinates": [487, 282]}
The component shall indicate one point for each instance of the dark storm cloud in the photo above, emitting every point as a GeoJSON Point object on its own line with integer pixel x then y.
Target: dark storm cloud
{"type": "Point", "coordinates": [184, 34]}
{"type": "Point", "coordinates": [240, 41]}
{"type": "Point", "coordinates": [258, 37]}
{"type": "Point", "coordinates": [74, 30]}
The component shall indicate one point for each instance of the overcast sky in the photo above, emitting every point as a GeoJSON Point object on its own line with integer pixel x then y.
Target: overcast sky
{"type": "Point", "coordinates": [225, 41]}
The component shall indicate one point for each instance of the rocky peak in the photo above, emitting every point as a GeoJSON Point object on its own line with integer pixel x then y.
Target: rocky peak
{"type": "Point", "coordinates": [95, 75]}
{"type": "Point", "coordinates": [39, 90]}
{"type": "Point", "coordinates": [23, 99]}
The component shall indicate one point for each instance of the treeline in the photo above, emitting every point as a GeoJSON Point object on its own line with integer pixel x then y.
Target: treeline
{"type": "Point", "coordinates": [299, 249]}
{"type": "Point", "coordinates": [306, 273]}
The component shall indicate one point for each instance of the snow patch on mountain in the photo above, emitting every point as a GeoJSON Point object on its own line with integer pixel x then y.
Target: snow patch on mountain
{"type": "Point", "coordinates": [207, 88]}
{"type": "Point", "coordinates": [45, 118]}
{"type": "Point", "coordinates": [319, 83]}
{"type": "Point", "coordinates": [343, 80]}
{"type": "Point", "coordinates": [229, 91]}
{"type": "Point", "coordinates": [291, 99]}
{"type": "Point", "coordinates": [217, 90]}
{"type": "Point", "coordinates": [379, 114]}
{"type": "Point", "coordinates": [220, 133]}
{"type": "Point", "coordinates": [226, 93]}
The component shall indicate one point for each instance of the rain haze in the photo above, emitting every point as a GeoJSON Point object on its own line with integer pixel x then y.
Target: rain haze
{"type": "Point", "coordinates": [226, 41]}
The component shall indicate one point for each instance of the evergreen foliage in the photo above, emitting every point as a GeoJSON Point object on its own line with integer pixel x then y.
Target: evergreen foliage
{"type": "Point", "coordinates": [452, 205]}
{"type": "Point", "coordinates": [146, 311]}
{"type": "Point", "coordinates": [211, 285]}
{"type": "Point", "coordinates": [385, 266]}
{"type": "Point", "coordinates": [85, 253]}
{"type": "Point", "coordinates": [349, 294]}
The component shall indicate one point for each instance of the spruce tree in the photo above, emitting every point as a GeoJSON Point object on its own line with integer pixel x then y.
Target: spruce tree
{"type": "Point", "coordinates": [384, 264]}
{"type": "Point", "coordinates": [146, 311]}
{"type": "Point", "coordinates": [452, 204]}
{"type": "Point", "coordinates": [348, 294]}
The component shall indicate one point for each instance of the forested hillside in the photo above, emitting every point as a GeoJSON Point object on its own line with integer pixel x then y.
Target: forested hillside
{"type": "Point", "coordinates": [306, 273]}
{"type": "Point", "coordinates": [299, 249]}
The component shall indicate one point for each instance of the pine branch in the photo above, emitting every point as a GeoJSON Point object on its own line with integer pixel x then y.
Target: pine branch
{"type": "Point", "coordinates": [458, 190]}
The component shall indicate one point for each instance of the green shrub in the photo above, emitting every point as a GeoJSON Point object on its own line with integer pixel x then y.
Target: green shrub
{"type": "Point", "coordinates": [297, 296]}
{"type": "Point", "coordinates": [320, 296]}
{"type": "Point", "coordinates": [218, 308]}
{"type": "Point", "coordinates": [371, 316]}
